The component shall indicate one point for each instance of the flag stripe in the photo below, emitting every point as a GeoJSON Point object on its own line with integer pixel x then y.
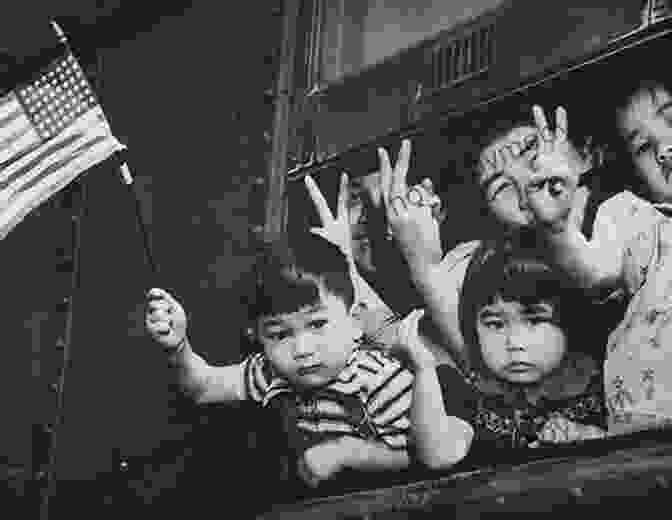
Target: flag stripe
{"type": "Point", "coordinates": [93, 121]}
{"type": "Point", "coordinates": [35, 161]}
{"type": "Point", "coordinates": [9, 118]}
{"type": "Point", "coordinates": [19, 148]}
{"type": "Point", "coordinates": [24, 202]}
{"type": "Point", "coordinates": [8, 104]}
{"type": "Point", "coordinates": [73, 154]}
{"type": "Point", "coordinates": [13, 131]}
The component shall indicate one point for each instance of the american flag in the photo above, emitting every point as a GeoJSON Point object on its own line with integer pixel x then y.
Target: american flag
{"type": "Point", "coordinates": [52, 129]}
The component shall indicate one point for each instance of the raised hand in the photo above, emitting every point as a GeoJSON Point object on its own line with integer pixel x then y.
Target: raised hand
{"type": "Point", "coordinates": [335, 230]}
{"type": "Point", "coordinates": [165, 319]}
{"type": "Point", "coordinates": [409, 346]}
{"type": "Point", "coordinates": [409, 214]}
{"type": "Point", "coordinates": [552, 192]}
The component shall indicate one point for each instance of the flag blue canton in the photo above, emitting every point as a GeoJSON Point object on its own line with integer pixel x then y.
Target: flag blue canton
{"type": "Point", "coordinates": [58, 97]}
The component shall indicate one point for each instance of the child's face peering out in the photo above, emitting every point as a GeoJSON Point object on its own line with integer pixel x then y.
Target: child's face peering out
{"type": "Point", "coordinates": [646, 125]}
{"type": "Point", "coordinates": [520, 342]}
{"type": "Point", "coordinates": [504, 185]}
{"type": "Point", "coordinates": [311, 346]}
{"type": "Point", "coordinates": [360, 189]}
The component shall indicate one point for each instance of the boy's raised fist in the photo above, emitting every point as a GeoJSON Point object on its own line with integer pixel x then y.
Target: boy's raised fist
{"type": "Point", "coordinates": [165, 319]}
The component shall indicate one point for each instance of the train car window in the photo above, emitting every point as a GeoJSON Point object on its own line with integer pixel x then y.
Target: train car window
{"type": "Point", "coordinates": [596, 98]}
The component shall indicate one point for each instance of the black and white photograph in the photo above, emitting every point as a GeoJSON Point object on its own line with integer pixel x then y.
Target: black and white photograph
{"type": "Point", "coordinates": [336, 259]}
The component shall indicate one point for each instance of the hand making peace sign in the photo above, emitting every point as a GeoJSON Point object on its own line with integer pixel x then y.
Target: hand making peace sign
{"type": "Point", "coordinates": [409, 213]}
{"type": "Point", "coordinates": [335, 230]}
{"type": "Point", "coordinates": [554, 197]}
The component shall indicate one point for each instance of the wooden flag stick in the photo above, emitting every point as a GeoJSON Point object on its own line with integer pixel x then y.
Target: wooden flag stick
{"type": "Point", "coordinates": [127, 179]}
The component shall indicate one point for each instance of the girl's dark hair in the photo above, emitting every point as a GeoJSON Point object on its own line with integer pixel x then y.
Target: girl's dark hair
{"type": "Point", "coordinates": [289, 278]}
{"type": "Point", "coordinates": [512, 271]}
{"type": "Point", "coordinates": [488, 131]}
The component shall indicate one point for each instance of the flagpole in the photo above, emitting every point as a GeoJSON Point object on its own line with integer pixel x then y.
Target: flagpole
{"type": "Point", "coordinates": [127, 179]}
{"type": "Point", "coordinates": [48, 489]}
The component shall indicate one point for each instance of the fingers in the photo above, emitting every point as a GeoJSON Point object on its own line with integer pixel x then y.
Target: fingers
{"type": "Point", "coordinates": [306, 474]}
{"type": "Point", "coordinates": [579, 204]}
{"type": "Point", "coordinates": [541, 123]}
{"type": "Point", "coordinates": [161, 306]}
{"type": "Point", "coordinates": [343, 196]}
{"type": "Point", "coordinates": [400, 171]}
{"type": "Point", "coordinates": [320, 203]}
{"type": "Point", "coordinates": [385, 175]}
{"type": "Point", "coordinates": [398, 205]}
{"type": "Point", "coordinates": [505, 157]}
{"type": "Point", "coordinates": [560, 124]}
{"type": "Point", "coordinates": [160, 299]}
{"type": "Point", "coordinates": [550, 199]}
{"type": "Point", "coordinates": [401, 167]}
{"type": "Point", "coordinates": [428, 185]}
{"type": "Point", "coordinates": [555, 430]}
{"type": "Point", "coordinates": [319, 232]}
{"type": "Point", "coordinates": [156, 293]}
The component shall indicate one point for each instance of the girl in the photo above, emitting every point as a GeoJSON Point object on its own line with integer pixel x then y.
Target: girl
{"type": "Point", "coordinates": [529, 384]}
{"type": "Point", "coordinates": [629, 252]}
{"type": "Point", "coordinates": [519, 320]}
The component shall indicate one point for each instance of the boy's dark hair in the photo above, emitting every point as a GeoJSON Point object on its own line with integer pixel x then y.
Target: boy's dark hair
{"type": "Point", "coordinates": [289, 278]}
{"type": "Point", "coordinates": [513, 272]}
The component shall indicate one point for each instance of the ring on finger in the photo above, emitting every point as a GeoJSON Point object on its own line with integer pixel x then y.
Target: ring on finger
{"type": "Point", "coordinates": [561, 132]}
{"type": "Point", "coordinates": [415, 197]}
{"type": "Point", "coordinates": [401, 199]}
{"type": "Point", "coordinates": [546, 133]}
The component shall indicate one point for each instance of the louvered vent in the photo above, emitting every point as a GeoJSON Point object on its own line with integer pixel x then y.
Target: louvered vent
{"type": "Point", "coordinates": [458, 60]}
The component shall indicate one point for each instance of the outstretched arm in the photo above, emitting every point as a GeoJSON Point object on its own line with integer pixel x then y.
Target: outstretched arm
{"type": "Point", "coordinates": [416, 232]}
{"type": "Point", "coordinates": [166, 323]}
{"type": "Point", "coordinates": [324, 461]}
{"type": "Point", "coordinates": [559, 205]}
{"type": "Point", "coordinates": [441, 439]}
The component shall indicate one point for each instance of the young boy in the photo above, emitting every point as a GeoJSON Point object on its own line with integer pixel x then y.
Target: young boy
{"type": "Point", "coordinates": [349, 406]}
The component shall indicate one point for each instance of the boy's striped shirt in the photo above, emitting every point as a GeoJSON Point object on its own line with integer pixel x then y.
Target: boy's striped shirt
{"type": "Point", "coordinates": [370, 398]}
